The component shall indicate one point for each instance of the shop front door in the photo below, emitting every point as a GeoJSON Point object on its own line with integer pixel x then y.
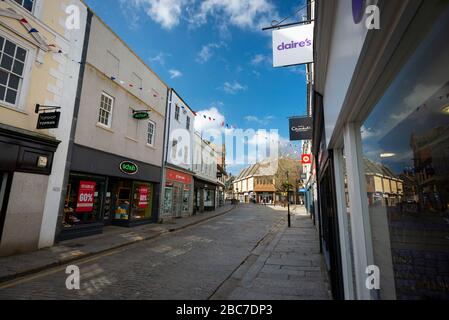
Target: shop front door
{"type": "Point", "coordinates": [330, 229]}
{"type": "Point", "coordinates": [177, 201]}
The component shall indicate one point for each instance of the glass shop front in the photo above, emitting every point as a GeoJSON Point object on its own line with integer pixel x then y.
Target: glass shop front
{"type": "Point", "coordinates": [96, 201]}
{"type": "Point", "coordinates": [406, 160]}
{"type": "Point", "coordinates": [178, 194]}
{"type": "Point", "coordinates": [121, 192]}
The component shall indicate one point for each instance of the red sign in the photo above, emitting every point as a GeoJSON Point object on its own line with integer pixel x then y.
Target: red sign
{"type": "Point", "coordinates": [86, 195]}
{"type": "Point", "coordinates": [178, 176]}
{"type": "Point", "coordinates": [306, 159]}
{"type": "Point", "coordinates": [143, 197]}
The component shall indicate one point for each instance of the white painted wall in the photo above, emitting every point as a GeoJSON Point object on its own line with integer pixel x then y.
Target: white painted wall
{"type": "Point", "coordinates": [176, 129]}
{"type": "Point", "coordinates": [347, 42]}
{"type": "Point", "coordinates": [204, 160]}
{"type": "Point", "coordinates": [67, 74]}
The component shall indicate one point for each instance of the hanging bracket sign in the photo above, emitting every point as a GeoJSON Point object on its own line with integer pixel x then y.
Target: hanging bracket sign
{"type": "Point", "coordinates": [293, 46]}
{"type": "Point", "coordinates": [301, 128]}
{"type": "Point", "coordinates": [47, 120]}
{"type": "Point", "coordinates": [141, 114]}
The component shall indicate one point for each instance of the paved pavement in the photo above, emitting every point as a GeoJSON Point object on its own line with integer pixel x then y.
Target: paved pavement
{"type": "Point", "coordinates": [112, 238]}
{"type": "Point", "coordinates": [245, 254]}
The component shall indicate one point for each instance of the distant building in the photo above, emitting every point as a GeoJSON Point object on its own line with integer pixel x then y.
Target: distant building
{"type": "Point", "coordinates": [116, 152]}
{"type": "Point", "coordinates": [205, 168]}
{"type": "Point", "coordinates": [178, 183]}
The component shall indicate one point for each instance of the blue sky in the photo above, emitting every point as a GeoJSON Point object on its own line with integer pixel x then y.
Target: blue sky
{"type": "Point", "coordinates": [215, 55]}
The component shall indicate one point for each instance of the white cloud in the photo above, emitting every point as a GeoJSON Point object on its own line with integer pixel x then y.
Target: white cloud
{"type": "Point", "coordinates": [202, 121]}
{"type": "Point", "coordinates": [233, 88]}
{"type": "Point", "coordinates": [259, 59]}
{"type": "Point", "coordinates": [261, 121]}
{"type": "Point", "coordinates": [240, 13]}
{"type": "Point", "coordinates": [175, 73]}
{"type": "Point", "coordinates": [159, 58]}
{"type": "Point", "coordinates": [245, 14]}
{"type": "Point", "coordinates": [208, 51]}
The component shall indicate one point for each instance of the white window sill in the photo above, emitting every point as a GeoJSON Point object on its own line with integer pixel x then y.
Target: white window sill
{"type": "Point", "coordinates": [12, 108]}
{"type": "Point", "coordinates": [151, 146]}
{"type": "Point", "coordinates": [131, 139]}
{"type": "Point", "coordinates": [102, 126]}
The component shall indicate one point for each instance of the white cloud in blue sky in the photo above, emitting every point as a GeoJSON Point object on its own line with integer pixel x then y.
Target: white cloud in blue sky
{"type": "Point", "coordinates": [238, 13]}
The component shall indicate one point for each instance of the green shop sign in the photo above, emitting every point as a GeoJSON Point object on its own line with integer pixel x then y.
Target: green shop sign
{"type": "Point", "coordinates": [141, 115]}
{"type": "Point", "coordinates": [128, 167]}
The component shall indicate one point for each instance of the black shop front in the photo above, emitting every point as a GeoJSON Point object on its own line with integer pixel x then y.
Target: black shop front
{"type": "Point", "coordinates": [105, 189]}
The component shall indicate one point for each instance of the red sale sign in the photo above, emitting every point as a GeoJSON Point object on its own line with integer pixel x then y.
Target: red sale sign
{"type": "Point", "coordinates": [306, 159]}
{"type": "Point", "coordinates": [86, 195]}
{"type": "Point", "coordinates": [143, 197]}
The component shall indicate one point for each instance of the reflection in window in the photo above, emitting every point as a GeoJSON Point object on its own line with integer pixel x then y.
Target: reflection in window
{"type": "Point", "coordinates": [406, 160]}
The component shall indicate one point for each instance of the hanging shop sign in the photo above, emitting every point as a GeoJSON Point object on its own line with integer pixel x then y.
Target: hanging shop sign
{"type": "Point", "coordinates": [86, 196]}
{"type": "Point", "coordinates": [293, 46]}
{"type": "Point", "coordinates": [301, 128]}
{"type": "Point", "coordinates": [306, 159]}
{"type": "Point", "coordinates": [129, 167]}
{"type": "Point", "coordinates": [47, 120]}
{"type": "Point", "coordinates": [141, 115]}
{"type": "Point", "coordinates": [143, 197]}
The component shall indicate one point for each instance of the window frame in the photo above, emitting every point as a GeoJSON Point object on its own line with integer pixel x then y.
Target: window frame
{"type": "Point", "coordinates": [188, 123]}
{"type": "Point", "coordinates": [109, 125]}
{"type": "Point", "coordinates": [25, 78]}
{"type": "Point", "coordinates": [177, 112]}
{"type": "Point", "coordinates": [153, 138]}
{"type": "Point", "coordinates": [32, 11]}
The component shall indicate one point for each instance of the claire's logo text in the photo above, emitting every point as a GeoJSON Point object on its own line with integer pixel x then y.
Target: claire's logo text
{"type": "Point", "coordinates": [294, 45]}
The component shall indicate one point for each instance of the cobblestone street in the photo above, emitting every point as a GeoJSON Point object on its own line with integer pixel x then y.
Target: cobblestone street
{"type": "Point", "coordinates": [246, 254]}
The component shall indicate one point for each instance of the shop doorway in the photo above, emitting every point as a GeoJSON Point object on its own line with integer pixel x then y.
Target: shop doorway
{"type": "Point", "coordinates": [329, 228]}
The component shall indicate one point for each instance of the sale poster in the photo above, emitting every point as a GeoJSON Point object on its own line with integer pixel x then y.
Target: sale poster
{"type": "Point", "coordinates": [143, 197]}
{"type": "Point", "coordinates": [86, 196]}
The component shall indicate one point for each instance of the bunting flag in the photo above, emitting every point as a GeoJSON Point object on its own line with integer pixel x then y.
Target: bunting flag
{"type": "Point", "coordinates": [33, 30]}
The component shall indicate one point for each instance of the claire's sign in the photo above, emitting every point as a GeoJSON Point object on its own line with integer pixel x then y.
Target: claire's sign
{"type": "Point", "coordinates": [293, 46]}
{"type": "Point", "coordinates": [129, 167]}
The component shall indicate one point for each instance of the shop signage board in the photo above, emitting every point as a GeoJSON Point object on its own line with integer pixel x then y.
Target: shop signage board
{"type": "Point", "coordinates": [293, 46]}
{"type": "Point", "coordinates": [301, 128]}
{"type": "Point", "coordinates": [86, 196]}
{"type": "Point", "coordinates": [306, 159]}
{"type": "Point", "coordinates": [129, 167]}
{"type": "Point", "coordinates": [48, 120]}
{"type": "Point", "coordinates": [143, 197]}
{"type": "Point", "coordinates": [178, 176]}
{"type": "Point", "coordinates": [141, 115]}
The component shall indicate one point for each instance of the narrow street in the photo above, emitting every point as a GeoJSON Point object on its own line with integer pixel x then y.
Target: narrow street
{"type": "Point", "coordinates": [248, 253]}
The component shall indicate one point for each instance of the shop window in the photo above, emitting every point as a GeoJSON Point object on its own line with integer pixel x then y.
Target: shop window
{"type": "Point", "coordinates": [133, 200]}
{"type": "Point", "coordinates": [12, 66]}
{"type": "Point", "coordinates": [83, 202]}
{"type": "Point", "coordinates": [142, 201]}
{"type": "Point", "coordinates": [27, 4]}
{"type": "Point", "coordinates": [177, 111]}
{"type": "Point", "coordinates": [151, 132]}
{"type": "Point", "coordinates": [106, 107]}
{"type": "Point", "coordinates": [406, 163]}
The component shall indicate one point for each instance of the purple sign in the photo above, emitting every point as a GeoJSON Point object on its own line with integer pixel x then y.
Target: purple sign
{"type": "Point", "coordinates": [358, 10]}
